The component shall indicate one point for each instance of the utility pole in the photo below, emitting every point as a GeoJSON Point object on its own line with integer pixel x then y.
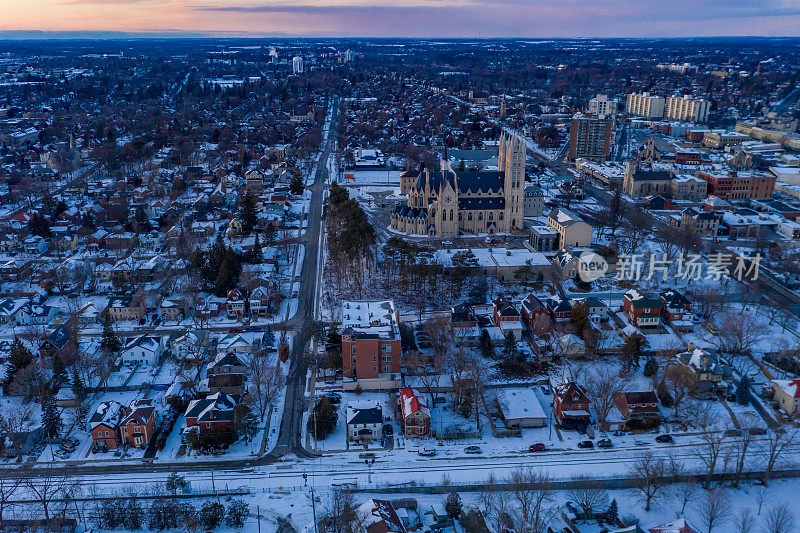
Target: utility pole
{"type": "Point", "coordinates": [314, 508]}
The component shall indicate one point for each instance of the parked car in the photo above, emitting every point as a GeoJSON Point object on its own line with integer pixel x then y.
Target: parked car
{"type": "Point", "coordinates": [605, 443]}
{"type": "Point", "coordinates": [641, 443]}
{"type": "Point", "coordinates": [664, 439]}
{"type": "Point", "coordinates": [473, 449]}
{"type": "Point", "coordinates": [427, 451]}
{"type": "Point", "coordinates": [546, 390]}
{"type": "Point", "coordinates": [757, 431]}
{"type": "Point", "coordinates": [619, 433]}
{"type": "Point", "coordinates": [235, 330]}
{"type": "Point", "coordinates": [538, 447]}
{"type": "Point", "coordinates": [586, 444]}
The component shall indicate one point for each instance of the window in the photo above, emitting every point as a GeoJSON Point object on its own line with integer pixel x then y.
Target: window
{"type": "Point", "coordinates": [374, 358]}
{"type": "Point", "coordinates": [469, 217]}
{"type": "Point", "coordinates": [375, 369]}
{"type": "Point", "coordinates": [386, 348]}
{"type": "Point", "coordinates": [387, 368]}
{"type": "Point", "coordinates": [354, 360]}
{"type": "Point", "coordinates": [354, 348]}
{"type": "Point", "coordinates": [386, 358]}
{"type": "Point", "coordinates": [480, 216]}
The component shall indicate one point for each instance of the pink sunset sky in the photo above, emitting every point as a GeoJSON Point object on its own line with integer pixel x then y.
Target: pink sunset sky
{"type": "Point", "coordinates": [411, 18]}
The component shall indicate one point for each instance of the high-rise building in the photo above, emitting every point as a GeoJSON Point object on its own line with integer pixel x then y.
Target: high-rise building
{"type": "Point", "coordinates": [645, 105]}
{"type": "Point", "coordinates": [687, 109]}
{"type": "Point", "coordinates": [590, 137]}
{"type": "Point", "coordinates": [603, 105]}
{"type": "Point", "coordinates": [297, 65]}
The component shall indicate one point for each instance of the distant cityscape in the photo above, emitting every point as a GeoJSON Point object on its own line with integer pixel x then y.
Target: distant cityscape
{"type": "Point", "coordinates": [393, 285]}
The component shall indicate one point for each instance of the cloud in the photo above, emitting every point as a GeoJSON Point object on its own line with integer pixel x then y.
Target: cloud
{"type": "Point", "coordinates": [320, 9]}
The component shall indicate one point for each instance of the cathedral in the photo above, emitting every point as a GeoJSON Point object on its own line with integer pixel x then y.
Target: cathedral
{"type": "Point", "coordinates": [447, 203]}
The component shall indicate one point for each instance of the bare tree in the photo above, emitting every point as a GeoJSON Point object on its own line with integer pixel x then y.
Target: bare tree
{"type": "Point", "coordinates": [714, 508]}
{"type": "Point", "coordinates": [533, 494]}
{"type": "Point", "coordinates": [668, 239]}
{"type": "Point", "coordinates": [48, 488]}
{"type": "Point", "coordinates": [588, 494]}
{"type": "Point", "coordinates": [745, 521]}
{"type": "Point", "coordinates": [742, 441]}
{"type": "Point", "coordinates": [677, 381]}
{"type": "Point", "coordinates": [428, 370]}
{"type": "Point", "coordinates": [773, 447]}
{"type": "Point", "coordinates": [780, 519]}
{"type": "Point", "coordinates": [341, 510]}
{"type": "Point", "coordinates": [761, 497]}
{"type": "Point", "coordinates": [737, 333]}
{"type": "Point", "coordinates": [14, 424]}
{"type": "Point", "coordinates": [601, 389]}
{"type": "Point", "coordinates": [685, 493]}
{"type": "Point", "coordinates": [266, 381]}
{"type": "Point", "coordinates": [709, 452]}
{"type": "Point", "coordinates": [649, 475]}
{"type": "Point", "coordinates": [9, 483]}
{"type": "Point", "coordinates": [638, 226]}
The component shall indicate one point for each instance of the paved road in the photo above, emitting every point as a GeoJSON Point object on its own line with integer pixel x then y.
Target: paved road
{"type": "Point", "coordinates": [289, 437]}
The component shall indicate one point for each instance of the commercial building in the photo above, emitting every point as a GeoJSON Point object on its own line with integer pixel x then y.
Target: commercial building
{"type": "Point", "coordinates": [733, 185]}
{"type": "Point", "coordinates": [645, 105]}
{"type": "Point", "coordinates": [297, 65]}
{"type": "Point", "coordinates": [590, 137]}
{"type": "Point", "coordinates": [686, 109]}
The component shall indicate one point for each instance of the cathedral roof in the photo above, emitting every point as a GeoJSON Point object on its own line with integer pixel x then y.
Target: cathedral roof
{"type": "Point", "coordinates": [480, 181]}
{"type": "Point", "coordinates": [494, 202]}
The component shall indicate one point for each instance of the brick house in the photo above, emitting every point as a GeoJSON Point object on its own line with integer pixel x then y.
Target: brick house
{"type": "Point", "coordinates": [57, 344]}
{"type": "Point", "coordinates": [507, 317]}
{"type": "Point", "coordinates": [571, 405]}
{"type": "Point", "coordinates": [212, 414]}
{"type": "Point", "coordinates": [126, 308]}
{"type": "Point", "coordinates": [674, 306]}
{"type": "Point", "coordinates": [138, 425]}
{"type": "Point", "coordinates": [415, 412]}
{"type": "Point", "coordinates": [560, 309]}
{"type": "Point", "coordinates": [236, 304]}
{"type": "Point", "coordinates": [639, 406]}
{"type": "Point", "coordinates": [104, 425]}
{"type": "Point", "coordinates": [642, 311]}
{"type": "Point", "coordinates": [370, 339]}
{"type": "Point", "coordinates": [535, 314]}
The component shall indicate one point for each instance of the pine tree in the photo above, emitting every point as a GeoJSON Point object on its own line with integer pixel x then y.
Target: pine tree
{"type": "Point", "coordinates": [296, 185]}
{"type": "Point", "coordinates": [19, 358]}
{"type": "Point", "coordinates": [51, 419]}
{"type": "Point", "coordinates": [269, 337]}
{"type": "Point", "coordinates": [453, 505]}
{"type": "Point", "coordinates": [612, 515]}
{"type": "Point", "coordinates": [743, 391]}
{"type": "Point", "coordinates": [110, 341]}
{"type": "Point", "coordinates": [256, 253]}
{"type": "Point", "coordinates": [78, 389]}
{"type": "Point", "coordinates": [59, 371]}
{"type": "Point", "coordinates": [248, 212]}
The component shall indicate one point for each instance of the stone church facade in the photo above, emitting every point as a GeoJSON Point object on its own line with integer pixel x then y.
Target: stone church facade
{"type": "Point", "coordinates": [447, 203]}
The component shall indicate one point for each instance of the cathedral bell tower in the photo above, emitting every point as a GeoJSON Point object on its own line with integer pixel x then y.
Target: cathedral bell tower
{"type": "Point", "coordinates": [512, 164]}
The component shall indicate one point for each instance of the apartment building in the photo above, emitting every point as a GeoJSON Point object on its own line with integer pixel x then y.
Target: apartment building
{"type": "Point", "coordinates": [645, 105]}
{"type": "Point", "coordinates": [603, 105]}
{"type": "Point", "coordinates": [370, 339]}
{"type": "Point", "coordinates": [590, 137]}
{"type": "Point", "coordinates": [733, 185]}
{"type": "Point", "coordinates": [686, 109]}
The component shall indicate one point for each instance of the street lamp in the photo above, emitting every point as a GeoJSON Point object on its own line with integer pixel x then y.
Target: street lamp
{"type": "Point", "coordinates": [369, 462]}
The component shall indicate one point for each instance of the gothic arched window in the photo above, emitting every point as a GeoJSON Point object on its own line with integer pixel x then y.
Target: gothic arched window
{"type": "Point", "coordinates": [469, 216]}
{"type": "Point", "coordinates": [500, 216]}
{"type": "Point", "coordinates": [451, 215]}
{"type": "Point", "coordinates": [480, 216]}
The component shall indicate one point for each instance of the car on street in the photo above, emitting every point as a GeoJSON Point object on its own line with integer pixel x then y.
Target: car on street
{"type": "Point", "coordinates": [605, 443]}
{"type": "Point", "coordinates": [586, 444]}
{"type": "Point", "coordinates": [664, 439]}
{"type": "Point", "coordinates": [234, 330]}
{"type": "Point", "coordinates": [538, 447]}
{"type": "Point", "coordinates": [473, 449]}
{"type": "Point", "coordinates": [641, 443]}
{"type": "Point", "coordinates": [427, 451]}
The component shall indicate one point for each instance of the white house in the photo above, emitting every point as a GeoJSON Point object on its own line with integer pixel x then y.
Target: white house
{"type": "Point", "coordinates": [364, 421]}
{"type": "Point", "coordinates": [146, 350]}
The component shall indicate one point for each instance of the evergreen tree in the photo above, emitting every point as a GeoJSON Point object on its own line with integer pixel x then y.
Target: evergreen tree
{"type": "Point", "coordinates": [453, 505]}
{"type": "Point", "coordinates": [110, 341]}
{"type": "Point", "coordinates": [51, 418]}
{"type": "Point", "coordinates": [743, 391]}
{"type": "Point", "coordinates": [248, 212]}
{"type": "Point", "coordinates": [78, 389]}
{"type": "Point", "coordinates": [487, 349]}
{"type": "Point", "coordinates": [236, 514]}
{"type": "Point", "coordinates": [211, 514]}
{"type": "Point", "coordinates": [228, 274]}
{"type": "Point", "coordinates": [59, 372]}
{"type": "Point", "coordinates": [269, 337]}
{"type": "Point", "coordinates": [509, 344]}
{"type": "Point", "coordinates": [632, 352]}
{"type": "Point", "coordinates": [296, 186]}
{"type": "Point", "coordinates": [612, 515]}
{"type": "Point", "coordinates": [256, 254]}
{"type": "Point", "coordinates": [650, 367]}
{"type": "Point", "coordinates": [19, 358]}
